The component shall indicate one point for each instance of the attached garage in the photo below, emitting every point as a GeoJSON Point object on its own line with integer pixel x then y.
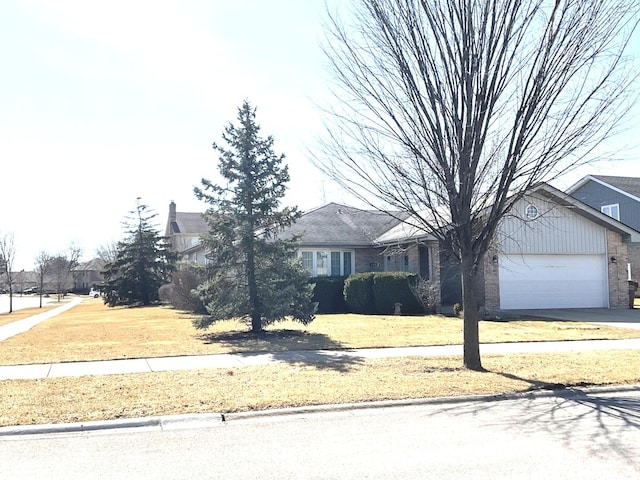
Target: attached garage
{"type": "Point", "coordinates": [553, 281]}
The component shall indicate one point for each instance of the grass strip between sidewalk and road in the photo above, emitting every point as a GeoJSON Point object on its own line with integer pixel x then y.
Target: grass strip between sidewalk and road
{"type": "Point", "coordinates": [92, 331]}
{"type": "Point", "coordinates": [79, 399]}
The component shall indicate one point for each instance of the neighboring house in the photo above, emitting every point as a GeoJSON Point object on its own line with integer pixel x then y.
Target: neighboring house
{"type": "Point", "coordinates": [183, 231]}
{"type": "Point", "coordinates": [88, 275]}
{"type": "Point", "coordinates": [618, 197]}
{"type": "Point", "coordinates": [22, 281]}
{"type": "Point", "coordinates": [552, 251]}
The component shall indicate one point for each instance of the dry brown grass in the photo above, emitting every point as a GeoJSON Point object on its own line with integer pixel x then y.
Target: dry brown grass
{"type": "Point", "coordinates": [287, 385]}
{"type": "Point", "coordinates": [23, 313]}
{"type": "Point", "coordinates": [92, 331]}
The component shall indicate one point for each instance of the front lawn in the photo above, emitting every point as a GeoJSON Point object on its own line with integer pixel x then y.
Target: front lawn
{"type": "Point", "coordinates": [107, 397]}
{"type": "Point", "coordinates": [92, 331]}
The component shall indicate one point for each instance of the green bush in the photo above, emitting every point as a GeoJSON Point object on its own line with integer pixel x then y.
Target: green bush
{"type": "Point", "coordinates": [358, 293]}
{"type": "Point", "coordinates": [329, 293]}
{"type": "Point", "coordinates": [390, 288]}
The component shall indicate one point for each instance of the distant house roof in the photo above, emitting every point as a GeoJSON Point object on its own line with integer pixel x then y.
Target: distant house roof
{"type": "Point", "coordinates": [191, 223]}
{"type": "Point", "coordinates": [340, 225]}
{"type": "Point", "coordinates": [629, 186]}
{"type": "Point", "coordinates": [96, 264]}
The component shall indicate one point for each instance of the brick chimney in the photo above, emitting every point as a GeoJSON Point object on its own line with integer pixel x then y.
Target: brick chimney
{"type": "Point", "coordinates": [172, 211]}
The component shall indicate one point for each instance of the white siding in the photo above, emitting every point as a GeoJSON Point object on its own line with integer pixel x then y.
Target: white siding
{"type": "Point", "coordinates": [557, 230]}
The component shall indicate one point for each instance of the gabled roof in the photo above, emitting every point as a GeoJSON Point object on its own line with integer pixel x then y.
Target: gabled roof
{"type": "Point", "coordinates": [629, 186]}
{"type": "Point", "coordinates": [586, 211]}
{"type": "Point", "coordinates": [340, 225]}
{"type": "Point", "coordinates": [187, 223]}
{"type": "Point", "coordinates": [408, 231]}
{"type": "Point", "coordinates": [96, 264]}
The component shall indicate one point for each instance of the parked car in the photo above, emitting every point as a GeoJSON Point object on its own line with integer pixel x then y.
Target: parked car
{"type": "Point", "coordinates": [30, 290]}
{"type": "Point", "coordinates": [94, 293]}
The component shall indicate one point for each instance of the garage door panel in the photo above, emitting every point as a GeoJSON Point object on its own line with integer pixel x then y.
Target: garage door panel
{"type": "Point", "coordinates": [552, 281]}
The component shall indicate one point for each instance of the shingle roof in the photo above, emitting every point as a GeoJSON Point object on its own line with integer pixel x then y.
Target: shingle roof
{"type": "Point", "coordinates": [189, 222]}
{"type": "Point", "coordinates": [631, 185]}
{"type": "Point", "coordinates": [335, 224]}
{"type": "Point", "coordinates": [96, 264]}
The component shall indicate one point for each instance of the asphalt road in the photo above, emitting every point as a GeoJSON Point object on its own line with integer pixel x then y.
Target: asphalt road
{"type": "Point", "coordinates": [571, 435]}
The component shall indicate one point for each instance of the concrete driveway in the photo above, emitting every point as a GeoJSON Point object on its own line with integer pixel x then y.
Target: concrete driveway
{"type": "Point", "coordinates": [623, 317]}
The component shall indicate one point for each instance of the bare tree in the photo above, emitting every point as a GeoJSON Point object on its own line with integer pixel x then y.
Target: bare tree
{"type": "Point", "coordinates": [7, 257]}
{"type": "Point", "coordinates": [451, 109]}
{"type": "Point", "coordinates": [61, 267]}
{"type": "Point", "coordinates": [43, 266]}
{"type": "Point", "coordinates": [107, 252]}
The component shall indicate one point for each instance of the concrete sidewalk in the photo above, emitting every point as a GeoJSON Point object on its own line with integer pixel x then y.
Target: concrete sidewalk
{"type": "Point", "coordinates": [309, 357]}
{"type": "Point", "coordinates": [21, 326]}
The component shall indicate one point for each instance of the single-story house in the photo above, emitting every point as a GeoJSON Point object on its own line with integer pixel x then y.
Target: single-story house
{"type": "Point", "coordinates": [552, 251]}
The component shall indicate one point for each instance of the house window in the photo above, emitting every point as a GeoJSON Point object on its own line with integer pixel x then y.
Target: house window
{"type": "Point", "coordinates": [307, 261]}
{"type": "Point", "coordinates": [323, 263]}
{"type": "Point", "coordinates": [335, 263]}
{"type": "Point", "coordinates": [346, 263]}
{"type": "Point", "coordinates": [531, 212]}
{"type": "Point", "coordinates": [612, 210]}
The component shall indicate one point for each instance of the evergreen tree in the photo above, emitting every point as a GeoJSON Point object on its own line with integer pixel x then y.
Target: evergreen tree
{"type": "Point", "coordinates": [251, 273]}
{"type": "Point", "coordinates": [143, 262]}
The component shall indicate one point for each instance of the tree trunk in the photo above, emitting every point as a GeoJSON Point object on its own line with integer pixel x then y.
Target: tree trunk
{"type": "Point", "coordinates": [471, 356]}
{"type": "Point", "coordinates": [256, 321]}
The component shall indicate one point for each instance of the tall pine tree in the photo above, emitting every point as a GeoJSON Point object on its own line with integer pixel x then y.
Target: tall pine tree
{"type": "Point", "coordinates": [143, 262]}
{"type": "Point", "coordinates": [252, 274]}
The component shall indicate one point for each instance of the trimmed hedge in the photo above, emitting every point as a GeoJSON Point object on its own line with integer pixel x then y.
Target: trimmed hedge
{"type": "Point", "coordinates": [358, 293]}
{"type": "Point", "coordinates": [378, 292]}
{"type": "Point", "coordinates": [390, 288]}
{"type": "Point", "coordinates": [329, 293]}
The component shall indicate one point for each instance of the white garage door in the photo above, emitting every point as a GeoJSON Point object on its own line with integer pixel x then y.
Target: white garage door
{"type": "Point", "coordinates": [552, 281]}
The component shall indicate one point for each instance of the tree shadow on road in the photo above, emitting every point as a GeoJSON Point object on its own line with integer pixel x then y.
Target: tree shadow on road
{"type": "Point", "coordinates": [597, 420]}
{"type": "Point", "coordinates": [294, 347]}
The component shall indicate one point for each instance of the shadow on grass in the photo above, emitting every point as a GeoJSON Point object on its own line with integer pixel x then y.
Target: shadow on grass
{"type": "Point", "coordinates": [295, 347]}
{"type": "Point", "coordinates": [534, 385]}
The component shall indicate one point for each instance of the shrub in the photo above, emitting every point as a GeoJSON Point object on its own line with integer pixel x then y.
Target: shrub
{"type": "Point", "coordinates": [390, 288]}
{"type": "Point", "coordinates": [179, 293]}
{"type": "Point", "coordinates": [358, 293]}
{"type": "Point", "coordinates": [427, 293]}
{"type": "Point", "coordinates": [329, 293]}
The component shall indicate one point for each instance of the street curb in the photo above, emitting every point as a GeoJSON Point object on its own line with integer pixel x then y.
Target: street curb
{"type": "Point", "coordinates": [170, 422]}
{"type": "Point", "coordinates": [203, 420]}
{"type": "Point", "coordinates": [343, 407]}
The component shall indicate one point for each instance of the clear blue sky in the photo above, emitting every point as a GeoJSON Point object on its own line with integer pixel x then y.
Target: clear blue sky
{"type": "Point", "coordinates": [105, 101]}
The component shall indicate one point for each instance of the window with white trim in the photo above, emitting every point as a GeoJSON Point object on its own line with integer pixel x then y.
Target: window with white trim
{"type": "Point", "coordinates": [306, 258]}
{"type": "Point", "coordinates": [327, 263]}
{"type": "Point", "coordinates": [322, 264]}
{"type": "Point", "coordinates": [612, 210]}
